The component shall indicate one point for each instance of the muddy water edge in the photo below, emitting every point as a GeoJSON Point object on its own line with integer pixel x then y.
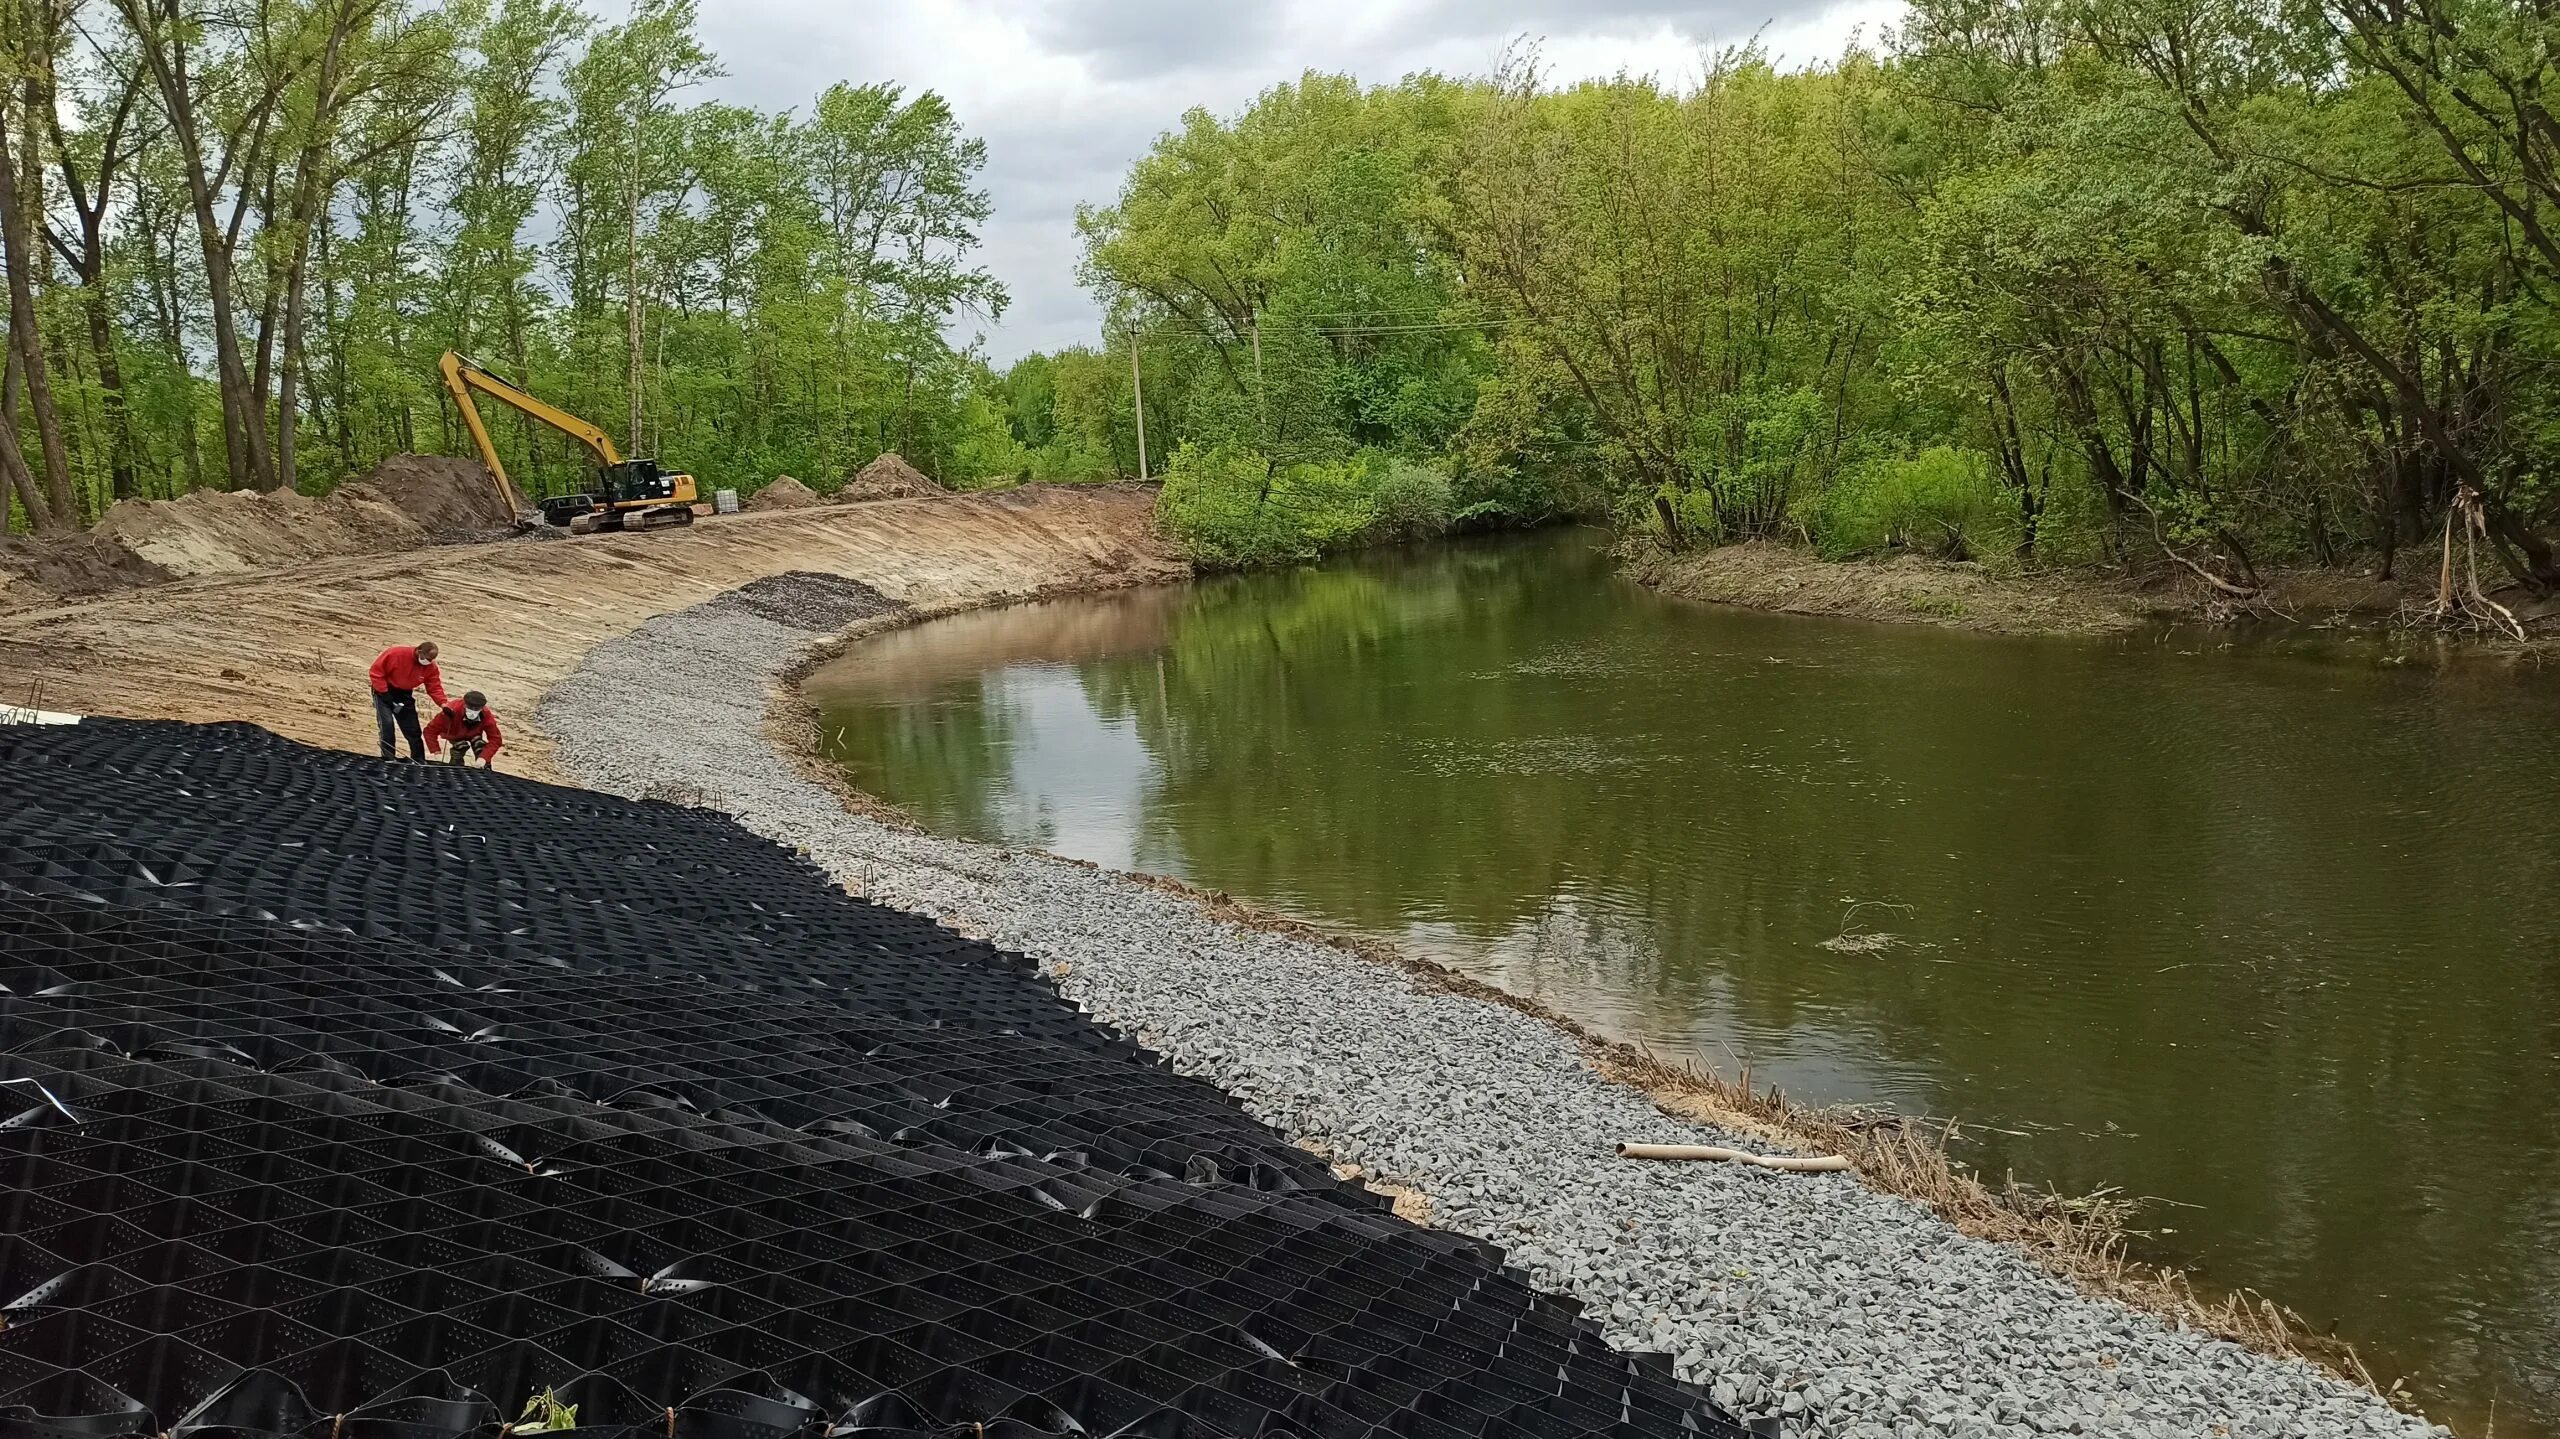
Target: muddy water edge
{"type": "Point", "coordinates": [2263, 934]}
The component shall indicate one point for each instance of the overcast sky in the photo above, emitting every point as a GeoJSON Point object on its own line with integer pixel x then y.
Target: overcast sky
{"type": "Point", "coordinates": [1067, 93]}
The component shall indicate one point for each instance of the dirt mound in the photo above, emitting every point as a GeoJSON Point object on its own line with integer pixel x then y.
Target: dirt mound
{"type": "Point", "coordinates": [33, 572]}
{"type": "Point", "coordinates": [406, 502]}
{"type": "Point", "coordinates": [452, 500]}
{"type": "Point", "coordinates": [888, 478]}
{"type": "Point", "coordinates": [785, 493]}
{"type": "Point", "coordinates": [806, 600]}
{"type": "Point", "coordinates": [219, 532]}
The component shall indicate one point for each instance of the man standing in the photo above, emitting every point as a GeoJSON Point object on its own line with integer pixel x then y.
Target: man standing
{"type": "Point", "coordinates": [397, 674]}
{"type": "Point", "coordinates": [471, 727]}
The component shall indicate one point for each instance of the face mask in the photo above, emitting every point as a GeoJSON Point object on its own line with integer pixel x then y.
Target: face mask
{"type": "Point", "coordinates": [471, 716]}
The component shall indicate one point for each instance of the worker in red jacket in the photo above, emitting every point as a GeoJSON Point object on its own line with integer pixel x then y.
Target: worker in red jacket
{"type": "Point", "coordinates": [471, 727]}
{"type": "Point", "coordinates": [397, 674]}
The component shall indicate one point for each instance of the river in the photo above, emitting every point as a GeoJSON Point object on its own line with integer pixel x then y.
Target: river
{"type": "Point", "coordinates": [2270, 937]}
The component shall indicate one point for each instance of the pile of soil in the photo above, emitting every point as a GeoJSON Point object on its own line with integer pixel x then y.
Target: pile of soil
{"type": "Point", "coordinates": [33, 571]}
{"type": "Point", "coordinates": [785, 493]}
{"type": "Point", "coordinates": [888, 478]}
{"type": "Point", "coordinates": [406, 502]}
{"type": "Point", "coordinates": [218, 532]}
{"type": "Point", "coordinates": [452, 500]}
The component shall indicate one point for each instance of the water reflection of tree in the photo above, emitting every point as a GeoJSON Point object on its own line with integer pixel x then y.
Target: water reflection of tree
{"type": "Point", "coordinates": [948, 750]}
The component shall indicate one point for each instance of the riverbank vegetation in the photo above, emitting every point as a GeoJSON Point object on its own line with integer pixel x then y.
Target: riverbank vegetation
{"type": "Point", "coordinates": [2211, 289]}
{"type": "Point", "coordinates": [239, 234]}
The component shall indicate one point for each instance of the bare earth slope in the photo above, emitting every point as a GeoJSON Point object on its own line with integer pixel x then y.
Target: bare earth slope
{"type": "Point", "coordinates": [288, 649]}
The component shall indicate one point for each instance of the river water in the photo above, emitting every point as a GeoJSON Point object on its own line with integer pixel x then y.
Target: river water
{"type": "Point", "coordinates": [2269, 936]}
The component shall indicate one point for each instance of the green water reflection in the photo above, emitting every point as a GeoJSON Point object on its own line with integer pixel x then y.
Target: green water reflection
{"type": "Point", "coordinates": [2268, 936]}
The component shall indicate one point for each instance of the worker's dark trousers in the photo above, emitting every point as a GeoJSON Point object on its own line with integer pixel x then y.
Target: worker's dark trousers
{"type": "Point", "coordinates": [398, 707]}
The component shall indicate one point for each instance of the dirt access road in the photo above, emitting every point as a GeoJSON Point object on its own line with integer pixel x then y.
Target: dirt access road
{"type": "Point", "coordinates": [288, 649]}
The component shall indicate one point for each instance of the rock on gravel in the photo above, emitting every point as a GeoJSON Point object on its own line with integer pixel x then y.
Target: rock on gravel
{"type": "Point", "coordinates": [1838, 1310]}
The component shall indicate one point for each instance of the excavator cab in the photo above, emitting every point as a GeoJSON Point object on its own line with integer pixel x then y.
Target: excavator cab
{"type": "Point", "coordinates": [629, 494]}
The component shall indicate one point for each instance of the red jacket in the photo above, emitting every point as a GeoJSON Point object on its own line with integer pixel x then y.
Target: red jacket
{"type": "Point", "coordinates": [450, 725]}
{"type": "Point", "coordinates": [397, 668]}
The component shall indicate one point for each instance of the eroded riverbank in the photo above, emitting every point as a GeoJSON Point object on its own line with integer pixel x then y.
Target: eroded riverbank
{"type": "Point", "coordinates": [1907, 588]}
{"type": "Point", "coordinates": [1839, 1308]}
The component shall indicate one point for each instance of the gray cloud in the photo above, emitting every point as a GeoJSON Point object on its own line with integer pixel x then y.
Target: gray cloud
{"type": "Point", "coordinates": [1714, 20]}
{"type": "Point", "coordinates": [1125, 39]}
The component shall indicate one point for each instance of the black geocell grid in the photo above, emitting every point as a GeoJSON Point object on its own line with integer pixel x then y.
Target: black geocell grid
{"type": "Point", "coordinates": [366, 1101]}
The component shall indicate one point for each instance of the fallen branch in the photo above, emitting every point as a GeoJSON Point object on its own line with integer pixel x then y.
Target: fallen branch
{"type": "Point", "coordinates": [1791, 1163]}
{"type": "Point", "coordinates": [2247, 594]}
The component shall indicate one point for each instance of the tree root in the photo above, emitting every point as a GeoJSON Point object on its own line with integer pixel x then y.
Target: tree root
{"type": "Point", "coordinates": [2464, 604]}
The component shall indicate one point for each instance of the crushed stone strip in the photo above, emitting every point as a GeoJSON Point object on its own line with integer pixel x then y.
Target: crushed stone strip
{"type": "Point", "coordinates": [1844, 1312]}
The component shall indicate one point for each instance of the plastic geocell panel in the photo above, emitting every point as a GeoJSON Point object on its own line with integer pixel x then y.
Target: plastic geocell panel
{"type": "Point", "coordinates": [361, 1101]}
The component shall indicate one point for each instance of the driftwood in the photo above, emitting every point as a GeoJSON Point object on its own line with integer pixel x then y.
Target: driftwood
{"type": "Point", "coordinates": [1791, 1163]}
{"type": "Point", "coordinates": [2469, 513]}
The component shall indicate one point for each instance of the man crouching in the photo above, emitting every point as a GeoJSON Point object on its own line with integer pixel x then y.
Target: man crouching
{"type": "Point", "coordinates": [471, 727]}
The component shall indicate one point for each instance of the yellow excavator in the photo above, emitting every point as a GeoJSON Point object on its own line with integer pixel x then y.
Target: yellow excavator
{"type": "Point", "coordinates": [629, 494]}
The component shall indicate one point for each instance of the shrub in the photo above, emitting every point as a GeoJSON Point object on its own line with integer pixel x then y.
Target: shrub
{"type": "Point", "coordinates": [1232, 509]}
{"type": "Point", "coordinates": [1411, 500]}
{"type": "Point", "coordinates": [1941, 502]}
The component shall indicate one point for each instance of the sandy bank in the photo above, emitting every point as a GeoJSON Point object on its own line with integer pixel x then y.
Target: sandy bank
{"type": "Point", "coordinates": [288, 648]}
{"type": "Point", "coordinates": [1839, 1309]}
{"type": "Point", "coordinates": [1910, 589]}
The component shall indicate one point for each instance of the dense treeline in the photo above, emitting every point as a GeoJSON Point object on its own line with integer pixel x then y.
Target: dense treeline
{"type": "Point", "coordinates": [238, 233]}
{"type": "Point", "coordinates": [2219, 283]}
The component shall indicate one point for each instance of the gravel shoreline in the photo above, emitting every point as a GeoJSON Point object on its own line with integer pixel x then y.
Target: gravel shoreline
{"type": "Point", "coordinates": [1842, 1311]}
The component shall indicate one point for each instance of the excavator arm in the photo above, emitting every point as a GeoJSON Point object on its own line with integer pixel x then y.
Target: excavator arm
{"type": "Point", "coordinates": [463, 376]}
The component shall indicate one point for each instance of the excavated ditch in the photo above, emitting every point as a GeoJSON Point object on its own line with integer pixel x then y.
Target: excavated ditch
{"type": "Point", "coordinates": [363, 1101]}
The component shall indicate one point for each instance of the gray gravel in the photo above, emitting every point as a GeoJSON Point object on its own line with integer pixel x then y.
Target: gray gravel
{"type": "Point", "coordinates": [1811, 1297]}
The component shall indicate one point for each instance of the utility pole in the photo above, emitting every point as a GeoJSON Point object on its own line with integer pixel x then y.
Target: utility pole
{"type": "Point", "coordinates": [1138, 403]}
{"type": "Point", "coordinates": [631, 276]}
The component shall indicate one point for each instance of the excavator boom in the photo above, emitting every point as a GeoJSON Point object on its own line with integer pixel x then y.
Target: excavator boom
{"type": "Point", "coordinates": [635, 487]}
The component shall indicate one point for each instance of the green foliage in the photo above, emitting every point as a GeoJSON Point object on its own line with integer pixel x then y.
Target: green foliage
{"type": "Point", "coordinates": [741, 292]}
{"type": "Point", "coordinates": [1233, 509]}
{"type": "Point", "coordinates": [2024, 289]}
{"type": "Point", "coordinates": [2284, 295]}
{"type": "Point", "coordinates": [1409, 500]}
{"type": "Point", "coordinates": [1940, 502]}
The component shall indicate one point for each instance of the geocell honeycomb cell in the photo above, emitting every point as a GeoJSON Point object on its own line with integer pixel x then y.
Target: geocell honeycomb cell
{"type": "Point", "coordinates": [355, 1100]}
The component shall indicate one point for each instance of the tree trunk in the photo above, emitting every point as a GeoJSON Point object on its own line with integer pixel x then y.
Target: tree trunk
{"type": "Point", "coordinates": [16, 480]}
{"type": "Point", "coordinates": [159, 30]}
{"type": "Point", "coordinates": [89, 202]}
{"type": "Point", "coordinates": [287, 398]}
{"type": "Point", "coordinates": [102, 343]}
{"type": "Point", "coordinates": [17, 240]}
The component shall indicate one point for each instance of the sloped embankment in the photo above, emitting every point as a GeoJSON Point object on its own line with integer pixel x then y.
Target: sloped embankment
{"type": "Point", "coordinates": [408, 1102]}
{"type": "Point", "coordinates": [406, 502]}
{"type": "Point", "coordinates": [288, 648]}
